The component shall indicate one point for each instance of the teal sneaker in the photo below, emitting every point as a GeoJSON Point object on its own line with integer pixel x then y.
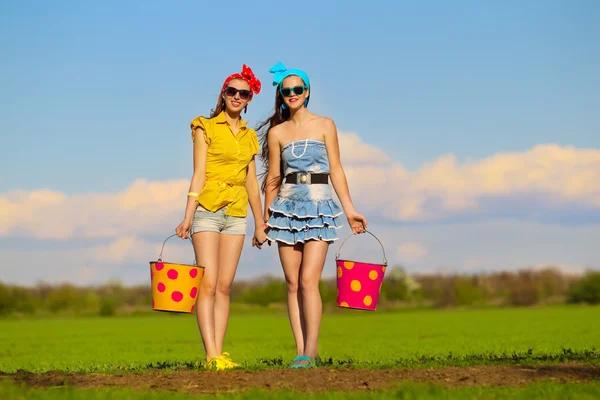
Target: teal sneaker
{"type": "Point", "coordinates": [305, 362]}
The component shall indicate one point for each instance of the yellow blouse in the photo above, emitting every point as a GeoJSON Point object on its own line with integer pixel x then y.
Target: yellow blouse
{"type": "Point", "coordinates": [227, 159]}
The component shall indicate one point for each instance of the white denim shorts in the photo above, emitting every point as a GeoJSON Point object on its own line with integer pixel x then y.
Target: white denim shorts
{"type": "Point", "coordinates": [207, 221]}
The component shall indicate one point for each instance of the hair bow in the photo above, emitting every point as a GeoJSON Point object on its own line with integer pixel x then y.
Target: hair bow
{"type": "Point", "coordinates": [246, 75]}
{"type": "Point", "coordinates": [251, 79]}
{"type": "Point", "coordinates": [280, 73]}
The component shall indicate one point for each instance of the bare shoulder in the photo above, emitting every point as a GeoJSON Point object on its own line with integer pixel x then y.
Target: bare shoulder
{"type": "Point", "coordinates": [328, 126]}
{"type": "Point", "coordinates": [276, 133]}
{"type": "Point", "coordinates": [276, 130]}
{"type": "Point", "coordinates": [322, 122]}
{"type": "Point", "coordinates": [328, 123]}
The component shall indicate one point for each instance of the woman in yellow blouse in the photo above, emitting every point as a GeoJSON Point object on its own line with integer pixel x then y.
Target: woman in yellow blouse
{"type": "Point", "coordinates": [223, 184]}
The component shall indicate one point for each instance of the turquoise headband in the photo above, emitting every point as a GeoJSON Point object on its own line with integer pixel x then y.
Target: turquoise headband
{"type": "Point", "coordinates": [281, 73]}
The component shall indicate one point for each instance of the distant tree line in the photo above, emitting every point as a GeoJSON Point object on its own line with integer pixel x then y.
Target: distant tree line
{"type": "Point", "coordinates": [400, 290]}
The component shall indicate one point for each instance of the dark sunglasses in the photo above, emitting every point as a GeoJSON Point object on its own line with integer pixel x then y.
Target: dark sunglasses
{"type": "Point", "coordinates": [287, 92]}
{"type": "Point", "coordinates": [244, 94]}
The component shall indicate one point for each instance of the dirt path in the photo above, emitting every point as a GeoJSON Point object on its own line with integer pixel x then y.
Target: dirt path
{"type": "Point", "coordinates": [321, 379]}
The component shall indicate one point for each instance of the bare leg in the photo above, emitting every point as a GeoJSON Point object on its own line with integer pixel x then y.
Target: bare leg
{"type": "Point", "coordinates": [291, 260]}
{"type": "Point", "coordinates": [310, 275]}
{"type": "Point", "coordinates": [206, 247]}
{"type": "Point", "coordinates": [230, 250]}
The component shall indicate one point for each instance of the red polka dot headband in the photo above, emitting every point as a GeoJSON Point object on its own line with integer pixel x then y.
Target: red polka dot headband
{"type": "Point", "coordinates": [246, 75]}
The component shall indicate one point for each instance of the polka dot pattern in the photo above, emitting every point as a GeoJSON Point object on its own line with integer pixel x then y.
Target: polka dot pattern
{"type": "Point", "coordinates": [359, 284]}
{"type": "Point", "coordinates": [172, 274]}
{"type": "Point", "coordinates": [176, 296]}
{"type": "Point", "coordinates": [175, 286]}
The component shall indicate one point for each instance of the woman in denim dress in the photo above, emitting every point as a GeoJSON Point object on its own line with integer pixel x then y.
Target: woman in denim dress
{"type": "Point", "coordinates": [300, 154]}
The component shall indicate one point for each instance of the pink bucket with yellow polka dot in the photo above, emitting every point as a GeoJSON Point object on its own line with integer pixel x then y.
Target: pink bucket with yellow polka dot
{"type": "Point", "coordinates": [174, 286]}
{"type": "Point", "coordinates": [359, 283]}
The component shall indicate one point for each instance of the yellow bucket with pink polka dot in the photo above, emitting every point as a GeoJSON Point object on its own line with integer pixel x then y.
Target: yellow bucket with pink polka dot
{"type": "Point", "coordinates": [359, 283]}
{"type": "Point", "coordinates": [174, 286]}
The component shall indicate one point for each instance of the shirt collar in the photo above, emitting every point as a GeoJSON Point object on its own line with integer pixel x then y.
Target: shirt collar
{"type": "Point", "coordinates": [220, 119]}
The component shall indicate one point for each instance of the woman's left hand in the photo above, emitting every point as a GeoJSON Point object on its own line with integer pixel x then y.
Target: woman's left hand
{"type": "Point", "coordinates": [357, 222]}
{"type": "Point", "coordinates": [260, 237]}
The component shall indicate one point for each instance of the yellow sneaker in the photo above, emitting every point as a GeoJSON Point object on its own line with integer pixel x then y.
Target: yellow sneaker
{"type": "Point", "coordinates": [220, 363]}
{"type": "Point", "coordinates": [230, 363]}
{"type": "Point", "coordinates": [212, 364]}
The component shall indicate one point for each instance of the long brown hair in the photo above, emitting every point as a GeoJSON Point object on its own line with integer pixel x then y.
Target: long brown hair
{"type": "Point", "coordinates": [278, 116]}
{"type": "Point", "coordinates": [219, 107]}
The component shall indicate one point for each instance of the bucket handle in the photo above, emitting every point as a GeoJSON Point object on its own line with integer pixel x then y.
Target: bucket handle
{"type": "Point", "coordinates": [385, 261]}
{"type": "Point", "coordinates": [163, 247]}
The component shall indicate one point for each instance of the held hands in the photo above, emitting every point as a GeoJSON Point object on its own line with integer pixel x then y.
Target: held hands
{"type": "Point", "coordinates": [260, 237]}
{"type": "Point", "coordinates": [357, 222]}
{"type": "Point", "coordinates": [183, 230]}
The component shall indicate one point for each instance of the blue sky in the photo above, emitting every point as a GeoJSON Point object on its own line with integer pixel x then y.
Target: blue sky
{"type": "Point", "coordinates": [97, 95]}
{"type": "Point", "coordinates": [91, 90]}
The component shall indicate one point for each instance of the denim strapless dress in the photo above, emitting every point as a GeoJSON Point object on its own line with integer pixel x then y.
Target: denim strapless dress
{"type": "Point", "coordinates": [303, 212]}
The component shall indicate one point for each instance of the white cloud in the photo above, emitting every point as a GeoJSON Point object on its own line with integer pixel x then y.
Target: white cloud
{"type": "Point", "coordinates": [411, 251]}
{"type": "Point", "coordinates": [503, 197]}
{"type": "Point", "coordinates": [126, 257]}
{"type": "Point", "coordinates": [44, 214]}
{"type": "Point", "coordinates": [547, 178]}
{"type": "Point", "coordinates": [460, 247]}
{"type": "Point", "coordinates": [126, 248]}
{"type": "Point", "coordinates": [354, 151]}
{"type": "Point", "coordinates": [471, 247]}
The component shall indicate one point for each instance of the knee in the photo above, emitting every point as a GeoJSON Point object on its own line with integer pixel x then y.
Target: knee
{"type": "Point", "coordinates": [292, 286]}
{"type": "Point", "coordinates": [207, 288]}
{"type": "Point", "coordinates": [223, 289]}
{"type": "Point", "coordinates": [309, 284]}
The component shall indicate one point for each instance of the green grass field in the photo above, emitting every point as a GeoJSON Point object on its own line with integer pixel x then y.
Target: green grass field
{"type": "Point", "coordinates": [351, 339]}
{"type": "Point", "coordinates": [260, 341]}
{"type": "Point", "coordinates": [539, 391]}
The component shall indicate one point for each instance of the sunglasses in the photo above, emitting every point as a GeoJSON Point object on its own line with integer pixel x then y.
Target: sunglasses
{"type": "Point", "coordinates": [244, 94]}
{"type": "Point", "coordinates": [287, 92]}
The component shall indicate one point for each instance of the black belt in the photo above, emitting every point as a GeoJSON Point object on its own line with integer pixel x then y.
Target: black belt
{"type": "Point", "coordinates": [306, 178]}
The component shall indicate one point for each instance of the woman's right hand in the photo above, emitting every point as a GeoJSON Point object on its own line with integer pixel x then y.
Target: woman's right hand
{"type": "Point", "coordinates": [183, 230]}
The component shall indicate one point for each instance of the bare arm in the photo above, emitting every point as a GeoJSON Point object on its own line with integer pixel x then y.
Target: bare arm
{"type": "Point", "coordinates": [254, 194]}
{"type": "Point", "coordinates": [199, 176]}
{"type": "Point", "coordinates": [273, 175]}
{"type": "Point", "coordinates": [357, 222]}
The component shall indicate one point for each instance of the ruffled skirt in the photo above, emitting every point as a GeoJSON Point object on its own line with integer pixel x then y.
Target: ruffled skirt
{"type": "Point", "coordinates": [298, 221]}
